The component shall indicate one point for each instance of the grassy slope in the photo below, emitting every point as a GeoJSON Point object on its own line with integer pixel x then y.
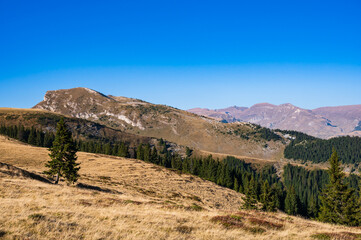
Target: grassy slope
{"type": "Point", "coordinates": [131, 199]}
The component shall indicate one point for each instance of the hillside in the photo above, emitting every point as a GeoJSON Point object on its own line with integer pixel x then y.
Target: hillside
{"type": "Point", "coordinates": [181, 127]}
{"type": "Point", "coordinates": [323, 122]}
{"type": "Point", "coordinates": [129, 199]}
{"type": "Point", "coordinates": [81, 129]}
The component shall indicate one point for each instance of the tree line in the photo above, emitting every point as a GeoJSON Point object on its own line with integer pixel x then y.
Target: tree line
{"type": "Point", "coordinates": [31, 135]}
{"type": "Point", "coordinates": [319, 150]}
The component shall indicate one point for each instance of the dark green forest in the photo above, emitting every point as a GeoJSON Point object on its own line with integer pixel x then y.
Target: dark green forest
{"type": "Point", "coordinates": [308, 148]}
{"type": "Point", "coordinates": [28, 135]}
{"type": "Point", "coordinates": [308, 185]}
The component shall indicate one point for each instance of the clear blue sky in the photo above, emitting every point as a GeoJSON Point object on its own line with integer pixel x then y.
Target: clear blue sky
{"type": "Point", "coordinates": [183, 53]}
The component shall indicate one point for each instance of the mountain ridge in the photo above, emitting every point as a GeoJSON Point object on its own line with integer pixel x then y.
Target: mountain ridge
{"type": "Point", "coordinates": [324, 122]}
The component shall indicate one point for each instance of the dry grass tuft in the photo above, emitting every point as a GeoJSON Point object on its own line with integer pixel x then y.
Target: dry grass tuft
{"type": "Point", "coordinates": [184, 229]}
{"type": "Point", "coordinates": [265, 223]}
{"type": "Point", "coordinates": [236, 221]}
{"type": "Point", "coordinates": [2, 233]}
{"type": "Point", "coordinates": [36, 217]}
{"type": "Point", "coordinates": [195, 207]}
{"type": "Point", "coordinates": [228, 221]}
{"type": "Point", "coordinates": [247, 222]}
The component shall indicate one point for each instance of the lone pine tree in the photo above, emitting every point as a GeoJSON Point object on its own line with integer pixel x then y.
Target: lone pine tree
{"type": "Point", "coordinates": [338, 201]}
{"type": "Point", "coordinates": [63, 156]}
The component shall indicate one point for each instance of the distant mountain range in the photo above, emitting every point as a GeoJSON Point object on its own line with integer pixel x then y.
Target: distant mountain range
{"type": "Point", "coordinates": [322, 122]}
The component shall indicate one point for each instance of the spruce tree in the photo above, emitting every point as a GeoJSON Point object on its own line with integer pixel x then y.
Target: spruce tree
{"type": "Point", "coordinates": [140, 152]}
{"type": "Point", "coordinates": [48, 139]}
{"type": "Point", "coordinates": [228, 178]}
{"type": "Point", "coordinates": [146, 152]}
{"type": "Point", "coordinates": [250, 201]}
{"type": "Point", "coordinates": [351, 209]}
{"type": "Point", "coordinates": [291, 202]}
{"type": "Point", "coordinates": [63, 156]}
{"type": "Point", "coordinates": [236, 185]}
{"type": "Point", "coordinates": [268, 197]}
{"type": "Point", "coordinates": [312, 209]}
{"type": "Point", "coordinates": [279, 195]}
{"type": "Point", "coordinates": [122, 150]}
{"type": "Point", "coordinates": [188, 152]}
{"type": "Point", "coordinates": [32, 137]}
{"type": "Point", "coordinates": [154, 155]}
{"type": "Point", "coordinates": [338, 201]}
{"type": "Point", "coordinates": [21, 133]}
{"type": "Point", "coordinates": [115, 149]}
{"type": "Point", "coordinates": [39, 139]}
{"type": "Point", "coordinates": [241, 189]}
{"type": "Point", "coordinates": [107, 149]}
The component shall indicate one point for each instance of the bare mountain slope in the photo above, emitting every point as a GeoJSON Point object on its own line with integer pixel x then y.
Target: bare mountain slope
{"type": "Point", "coordinates": [322, 122]}
{"type": "Point", "coordinates": [229, 114]}
{"type": "Point", "coordinates": [347, 117]}
{"type": "Point", "coordinates": [160, 121]}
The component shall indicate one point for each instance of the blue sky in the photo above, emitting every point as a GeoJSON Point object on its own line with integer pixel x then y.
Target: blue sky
{"type": "Point", "coordinates": [183, 53]}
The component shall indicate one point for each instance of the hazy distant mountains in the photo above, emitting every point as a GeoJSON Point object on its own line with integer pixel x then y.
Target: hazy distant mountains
{"type": "Point", "coordinates": [322, 122]}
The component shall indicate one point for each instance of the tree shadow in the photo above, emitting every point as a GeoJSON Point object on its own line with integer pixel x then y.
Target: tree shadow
{"type": "Point", "coordinates": [96, 188]}
{"type": "Point", "coordinates": [18, 172]}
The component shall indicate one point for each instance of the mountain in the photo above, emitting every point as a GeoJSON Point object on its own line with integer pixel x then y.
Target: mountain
{"type": "Point", "coordinates": [348, 117]}
{"type": "Point", "coordinates": [322, 122]}
{"type": "Point", "coordinates": [160, 121]}
{"type": "Point", "coordinates": [228, 114]}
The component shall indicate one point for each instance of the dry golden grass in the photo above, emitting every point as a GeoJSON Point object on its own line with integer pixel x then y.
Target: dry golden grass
{"type": "Point", "coordinates": [129, 199]}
